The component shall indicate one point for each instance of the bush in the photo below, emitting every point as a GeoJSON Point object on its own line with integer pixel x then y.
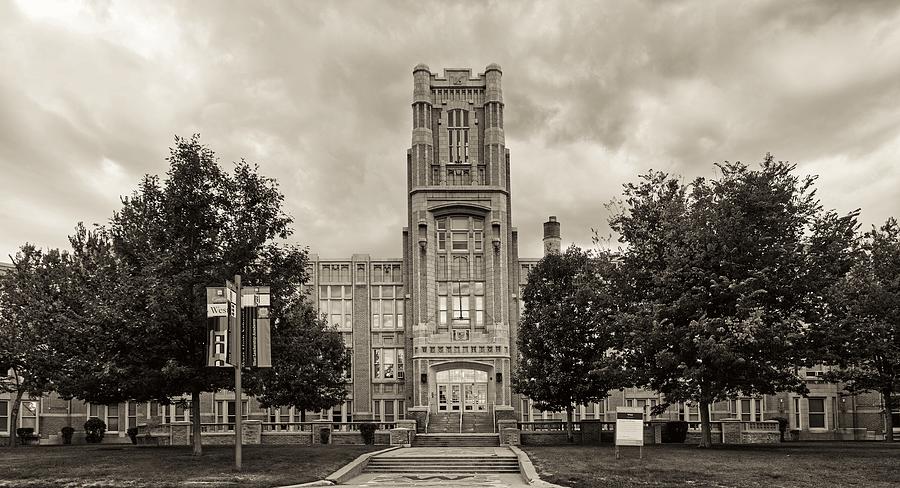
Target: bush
{"type": "Point", "coordinates": [25, 434]}
{"type": "Point", "coordinates": [368, 432]}
{"type": "Point", "coordinates": [132, 434]}
{"type": "Point", "coordinates": [675, 432]}
{"type": "Point", "coordinates": [94, 429]}
{"type": "Point", "coordinates": [324, 435]}
{"type": "Point", "coordinates": [67, 435]}
{"type": "Point", "coordinates": [782, 426]}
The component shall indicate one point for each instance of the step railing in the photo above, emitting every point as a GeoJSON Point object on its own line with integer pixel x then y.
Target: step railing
{"type": "Point", "coordinates": [460, 421]}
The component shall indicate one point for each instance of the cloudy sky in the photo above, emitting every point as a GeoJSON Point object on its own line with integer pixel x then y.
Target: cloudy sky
{"type": "Point", "coordinates": [318, 94]}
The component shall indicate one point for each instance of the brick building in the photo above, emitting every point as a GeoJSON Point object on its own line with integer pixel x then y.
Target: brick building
{"type": "Point", "coordinates": [433, 332]}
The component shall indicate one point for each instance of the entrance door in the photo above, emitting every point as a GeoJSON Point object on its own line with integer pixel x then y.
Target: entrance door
{"type": "Point", "coordinates": [442, 398]}
{"type": "Point", "coordinates": [455, 397]}
{"type": "Point", "coordinates": [462, 390]}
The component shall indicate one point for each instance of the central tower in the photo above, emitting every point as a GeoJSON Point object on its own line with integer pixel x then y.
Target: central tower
{"type": "Point", "coordinates": [460, 248]}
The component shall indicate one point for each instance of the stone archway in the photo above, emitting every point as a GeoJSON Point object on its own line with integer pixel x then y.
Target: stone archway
{"type": "Point", "coordinates": [461, 386]}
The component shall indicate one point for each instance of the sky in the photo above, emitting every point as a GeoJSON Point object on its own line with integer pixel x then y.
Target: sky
{"type": "Point", "coordinates": [318, 95]}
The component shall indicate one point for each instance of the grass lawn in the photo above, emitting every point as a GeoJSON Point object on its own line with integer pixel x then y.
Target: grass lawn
{"type": "Point", "coordinates": [786, 465]}
{"type": "Point", "coordinates": [132, 466]}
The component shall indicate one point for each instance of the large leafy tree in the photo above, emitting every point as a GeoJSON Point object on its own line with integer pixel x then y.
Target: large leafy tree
{"type": "Point", "coordinates": [33, 301]}
{"type": "Point", "coordinates": [169, 241]}
{"type": "Point", "coordinates": [567, 337]}
{"type": "Point", "coordinates": [864, 333]}
{"type": "Point", "coordinates": [722, 279]}
{"type": "Point", "coordinates": [310, 363]}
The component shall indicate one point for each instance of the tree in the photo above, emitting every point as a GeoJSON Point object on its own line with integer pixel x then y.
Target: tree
{"type": "Point", "coordinates": [721, 281]}
{"type": "Point", "coordinates": [566, 337]}
{"type": "Point", "coordinates": [865, 331]}
{"type": "Point", "coordinates": [33, 300]}
{"type": "Point", "coordinates": [309, 363]}
{"type": "Point", "coordinates": [168, 242]}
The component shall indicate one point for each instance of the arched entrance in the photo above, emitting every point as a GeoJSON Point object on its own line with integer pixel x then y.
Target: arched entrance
{"type": "Point", "coordinates": [462, 389]}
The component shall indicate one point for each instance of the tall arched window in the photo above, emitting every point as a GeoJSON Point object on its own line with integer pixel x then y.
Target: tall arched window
{"type": "Point", "coordinates": [460, 275]}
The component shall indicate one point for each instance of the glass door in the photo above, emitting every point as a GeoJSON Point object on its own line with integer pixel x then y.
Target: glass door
{"type": "Point", "coordinates": [455, 397]}
{"type": "Point", "coordinates": [469, 390]}
{"type": "Point", "coordinates": [442, 398]}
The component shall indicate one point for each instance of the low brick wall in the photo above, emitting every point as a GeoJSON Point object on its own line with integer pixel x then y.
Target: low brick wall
{"type": "Point", "coordinates": [382, 438]}
{"type": "Point", "coordinates": [287, 438]}
{"type": "Point", "coordinates": [346, 438]}
{"type": "Point", "coordinates": [553, 438]}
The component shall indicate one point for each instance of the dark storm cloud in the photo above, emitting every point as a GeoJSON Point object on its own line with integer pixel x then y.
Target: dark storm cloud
{"type": "Point", "coordinates": [318, 95]}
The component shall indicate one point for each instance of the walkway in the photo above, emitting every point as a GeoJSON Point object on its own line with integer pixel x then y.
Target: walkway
{"type": "Point", "coordinates": [448, 480]}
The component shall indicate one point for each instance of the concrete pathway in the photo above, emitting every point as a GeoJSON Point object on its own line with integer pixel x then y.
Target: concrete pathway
{"type": "Point", "coordinates": [450, 480]}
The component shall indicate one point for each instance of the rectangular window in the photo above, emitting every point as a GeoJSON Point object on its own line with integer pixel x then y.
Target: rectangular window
{"type": "Point", "coordinates": [388, 364]}
{"type": "Point", "coordinates": [376, 410]}
{"type": "Point", "coordinates": [4, 416]}
{"type": "Point", "coordinates": [376, 363]}
{"type": "Point", "coordinates": [479, 267]}
{"type": "Point", "coordinates": [360, 274]}
{"type": "Point", "coordinates": [797, 424]}
{"type": "Point", "coordinates": [28, 414]}
{"type": "Point", "coordinates": [442, 267]}
{"type": "Point", "coordinates": [745, 409]}
{"type": "Point", "coordinates": [389, 411]}
{"type": "Point", "coordinates": [816, 414]}
{"type": "Point", "coordinates": [132, 414]}
{"type": "Point", "coordinates": [112, 418]}
{"type": "Point", "coordinates": [460, 241]}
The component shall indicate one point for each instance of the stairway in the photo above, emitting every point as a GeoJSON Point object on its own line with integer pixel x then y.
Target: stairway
{"type": "Point", "coordinates": [482, 422]}
{"type": "Point", "coordinates": [443, 422]}
{"type": "Point", "coordinates": [456, 440]}
{"type": "Point", "coordinates": [443, 464]}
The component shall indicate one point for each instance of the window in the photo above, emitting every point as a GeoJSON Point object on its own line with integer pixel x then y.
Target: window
{"type": "Point", "coordinates": [226, 412]}
{"type": "Point", "coordinates": [460, 273]}
{"type": "Point", "coordinates": [458, 136]}
{"type": "Point", "coordinates": [797, 424]}
{"type": "Point", "coordinates": [132, 414]}
{"type": "Point", "coordinates": [747, 409]}
{"type": "Point", "coordinates": [4, 416]}
{"type": "Point", "coordinates": [387, 307]}
{"type": "Point", "coordinates": [336, 302]}
{"type": "Point", "coordinates": [28, 414]}
{"type": "Point", "coordinates": [334, 273]}
{"type": "Point", "coordinates": [175, 412]}
{"type": "Point", "coordinates": [816, 414]}
{"type": "Point", "coordinates": [386, 273]}
{"type": "Point", "coordinates": [388, 363]}
{"type": "Point", "coordinates": [361, 274]}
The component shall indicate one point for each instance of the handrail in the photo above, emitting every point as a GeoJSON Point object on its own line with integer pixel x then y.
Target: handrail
{"type": "Point", "coordinates": [462, 407]}
{"type": "Point", "coordinates": [427, 418]}
{"type": "Point", "coordinates": [494, 417]}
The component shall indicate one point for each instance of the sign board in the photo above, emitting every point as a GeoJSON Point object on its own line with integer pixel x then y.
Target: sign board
{"type": "Point", "coordinates": [629, 426]}
{"type": "Point", "coordinates": [218, 336]}
{"type": "Point", "coordinates": [255, 326]}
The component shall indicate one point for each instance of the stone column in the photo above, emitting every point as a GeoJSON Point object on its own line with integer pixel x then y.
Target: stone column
{"type": "Point", "coordinates": [251, 432]}
{"type": "Point", "coordinates": [509, 432]}
{"type": "Point", "coordinates": [180, 434]}
{"type": "Point", "coordinates": [317, 428]}
{"type": "Point", "coordinates": [731, 431]}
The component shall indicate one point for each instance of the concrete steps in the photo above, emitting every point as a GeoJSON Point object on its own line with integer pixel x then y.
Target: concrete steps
{"type": "Point", "coordinates": [442, 464]}
{"type": "Point", "coordinates": [456, 440]}
{"type": "Point", "coordinates": [442, 423]}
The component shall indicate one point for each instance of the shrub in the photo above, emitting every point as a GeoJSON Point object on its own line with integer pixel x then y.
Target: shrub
{"type": "Point", "coordinates": [132, 434]}
{"type": "Point", "coordinates": [782, 426]}
{"type": "Point", "coordinates": [675, 432]}
{"type": "Point", "coordinates": [25, 434]}
{"type": "Point", "coordinates": [368, 432]}
{"type": "Point", "coordinates": [324, 435]}
{"type": "Point", "coordinates": [94, 429]}
{"type": "Point", "coordinates": [67, 435]}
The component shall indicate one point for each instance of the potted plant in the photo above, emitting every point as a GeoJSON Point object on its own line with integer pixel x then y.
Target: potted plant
{"type": "Point", "coordinates": [94, 429]}
{"type": "Point", "coordinates": [26, 435]}
{"type": "Point", "coordinates": [132, 434]}
{"type": "Point", "coordinates": [67, 435]}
